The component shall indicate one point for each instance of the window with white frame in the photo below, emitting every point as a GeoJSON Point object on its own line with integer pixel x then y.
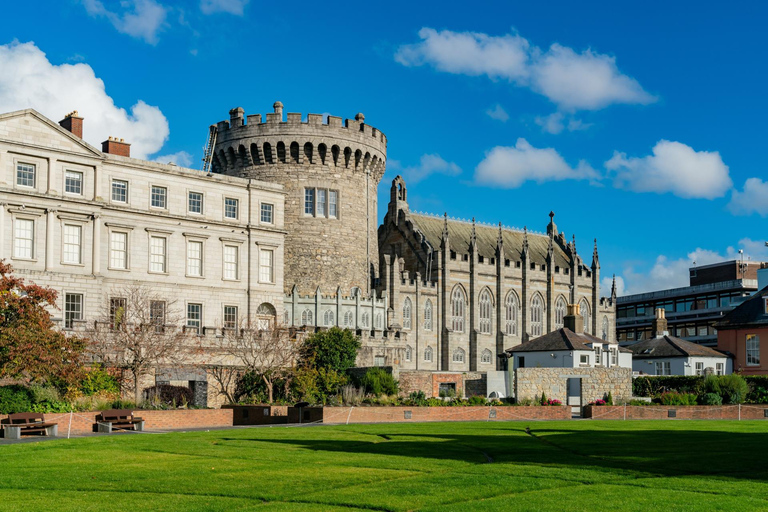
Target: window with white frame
{"type": "Point", "coordinates": [753, 350]}
{"type": "Point", "coordinates": [266, 316]}
{"type": "Point", "coordinates": [510, 309]}
{"type": "Point", "coordinates": [159, 197]}
{"type": "Point", "coordinates": [663, 368]}
{"type": "Point", "coordinates": [73, 182]}
{"type": "Point", "coordinates": [378, 321]}
{"type": "Point", "coordinates": [428, 354]}
{"type": "Point", "coordinates": [321, 202]}
{"type": "Point", "coordinates": [118, 250]}
{"type": "Point", "coordinates": [365, 320]}
{"type": "Point", "coordinates": [309, 201]}
{"type": "Point", "coordinates": [267, 266]}
{"type": "Point", "coordinates": [328, 318]}
{"type": "Point", "coordinates": [231, 208]}
{"type": "Point", "coordinates": [486, 357]}
{"type": "Point", "coordinates": [333, 208]}
{"type": "Point", "coordinates": [157, 254]}
{"type": "Point", "coordinates": [700, 368]}
{"type": "Point", "coordinates": [117, 312]}
{"type": "Point", "coordinates": [485, 312]}
{"type": "Point", "coordinates": [230, 317]}
{"type": "Point", "coordinates": [457, 309]}
{"type": "Point", "coordinates": [379, 360]}
{"type": "Point", "coordinates": [195, 317]}
{"type": "Point", "coordinates": [584, 359]}
{"type": "Point", "coordinates": [119, 191]}
{"type": "Point", "coordinates": [307, 318]}
{"type": "Point", "coordinates": [24, 238]}
{"type": "Point", "coordinates": [157, 315]}
{"type": "Point", "coordinates": [73, 309]}
{"type": "Point", "coordinates": [349, 319]}
{"type": "Point", "coordinates": [231, 262]}
{"type": "Point", "coordinates": [614, 357]}
{"type": "Point", "coordinates": [408, 352]}
{"type": "Point", "coordinates": [428, 315]}
{"type": "Point", "coordinates": [407, 313]}
{"type": "Point", "coordinates": [598, 350]}
{"type": "Point", "coordinates": [267, 211]}
{"type": "Point", "coordinates": [537, 316]}
{"type": "Point", "coordinates": [25, 175]}
{"type": "Point", "coordinates": [72, 238]}
{"type": "Point", "coordinates": [719, 368]}
{"type": "Point", "coordinates": [559, 312]}
{"type": "Point", "coordinates": [458, 355]}
{"type": "Point", "coordinates": [195, 202]}
{"type": "Point", "coordinates": [195, 258]}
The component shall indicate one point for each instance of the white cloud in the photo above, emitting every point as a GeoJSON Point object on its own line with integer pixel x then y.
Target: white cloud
{"type": "Point", "coordinates": [181, 158]}
{"type": "Point", "coordinates": [573, 81]}
{"type": "Point", "coordinates": [753, 199]}
{"type": "Point", "coordinates": [498, 113]}
{"type": "Point", "coordinates": [552, 123]}
{"type": "Point", "coordinates": [428, 165]}
{"type": "Point", "coordinates": [673, 167]}
{"type": "Point", "coordinates": [235, 7]}
{"type": "Point", "coordinates": [29, 80]}
{"type": "Point", "coordinates": [510, 167]}
{"type": "Point", "coordinates": [142, 19]}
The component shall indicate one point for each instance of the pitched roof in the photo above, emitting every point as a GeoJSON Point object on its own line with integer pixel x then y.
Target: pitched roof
{"type": "Point", "coordinates": [560, 339]}
{"type": "Point", "coordinates": [670, 346]}
{"type": "Point", "coordinates": [750, 312]}
{"type": "Point", "coordinates": [460, 233]}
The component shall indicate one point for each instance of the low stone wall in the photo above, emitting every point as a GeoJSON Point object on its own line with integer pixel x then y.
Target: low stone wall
{"type": "Point", "coordinates": [676, 412]}
{"type": "Point", "coordinates": [530, 383]}
{"type": "Point", "coordinates": [335, 415]}
{"type": "Point", "coordinates": [83, 422]}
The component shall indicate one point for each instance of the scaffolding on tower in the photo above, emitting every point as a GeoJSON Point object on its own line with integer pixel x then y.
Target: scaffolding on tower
{"type": "Point", "coordinates": [208, 150]}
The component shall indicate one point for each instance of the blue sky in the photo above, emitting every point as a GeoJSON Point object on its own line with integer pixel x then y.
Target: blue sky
{"type": "Point", "coordinates": [640, 126]}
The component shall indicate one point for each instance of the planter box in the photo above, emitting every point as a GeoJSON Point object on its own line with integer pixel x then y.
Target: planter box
{"type": "Point", "coordinates": [676, 412]}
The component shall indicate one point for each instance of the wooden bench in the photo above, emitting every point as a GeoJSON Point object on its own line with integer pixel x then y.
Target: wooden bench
{"type": "Point", "coordinates": [27, 423]}
{"type": "Point", "coordinates": [123, 419]}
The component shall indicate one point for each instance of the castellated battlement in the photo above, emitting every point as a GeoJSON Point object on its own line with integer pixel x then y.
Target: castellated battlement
{"type": "Point", "coordinates": [247, 141]}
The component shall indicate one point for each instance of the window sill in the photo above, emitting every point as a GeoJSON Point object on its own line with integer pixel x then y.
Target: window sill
{"type": "Point", "coordinates": [18, 258]}
{"type": "Point", "coordinates": [194, 277]}
{"type": "Point", "coordinates": [118, 269]}
{"type": "Point", "coordinates": [70, 264]}
{"type": "Point", "coordinates": [158, 273]}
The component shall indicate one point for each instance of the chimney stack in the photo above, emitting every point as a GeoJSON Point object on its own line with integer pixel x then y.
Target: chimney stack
{"type": "Point", "coordinates": [115, 146]}
{"type": "Point", "coordinates": [573, 319]}
{"type": "Point", "coordinates": [659, 324]}
{"type": "Point", "coordinates": [73, 123]}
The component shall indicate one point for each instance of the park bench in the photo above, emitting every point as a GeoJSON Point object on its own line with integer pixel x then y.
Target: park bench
{"type": "Point", "coordinates": [123, 419]}
{"type": "Point", "coordinates": [27, 423]}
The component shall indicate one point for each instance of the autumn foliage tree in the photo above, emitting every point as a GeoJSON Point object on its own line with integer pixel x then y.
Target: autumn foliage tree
{"type": "Point", "coordinates": [31, 348]}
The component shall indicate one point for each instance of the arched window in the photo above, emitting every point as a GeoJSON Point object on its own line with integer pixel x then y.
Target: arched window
{"type": "Point", "coordinates": [349, 319]}
{"type": "Point", "coordinates": [286, 317]}
{"type": "Point", "coordinates": [559, 312]}
{"type": "Point", "coordinates": [408, 352]}
{"type": "Point", "coordinates": [510, 309]}
{"type": "Point", "coordinates": [268, 153]}
{"type": "Point", "coordinates": [485, 312]}
{"type": "Point", "coordinates": [457, 309]}
{"type": "Point", "coordinates": [328, 317]}
{"type": "Point", "coordinates": [584, 307]}
{"type": "Point", "coordinates": [486, 357]}
{"type": "Point", "coordinates": [458, 355]}
{"type": "Point", "coordinates": [365, 320]}
{"type": "Point", "coordinates": [428, 354]}
{"type": "Point", "coordinates": [281, 152]}
{"type": "Point", "coordinates": [407, 313]}
{"type": "Point", "coordinates": [306, 317]}
{"type": "Point", "coordinates": [537, 315]}
{"type": "Point", "coordinates": [428, 315]}
{"type": "Point", "coordinates": [265, 316]}
{"type": "Point", "coordinates": [378, 321]}
{"type": "Point", "coordinates": [605, 328]}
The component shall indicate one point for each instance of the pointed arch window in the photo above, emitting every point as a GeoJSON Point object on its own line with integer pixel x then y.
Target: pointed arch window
{"type": "Point", "coordinates": [407, 313]}
{"type": "Point", "coordinates": [408, 352]}
{"type": "Point", "coordinates": [584, 307]}
{"type": "Point", "coordinates": [485, 312]}
{"type": "Point", "coordinates": [605, 328]}
{"type": "Point", "coordinates": [328, 317]}
{"type": "Point", "coordinates": [365, 320]}
{"type": "Point", "coordinates": [458, 303]}
{"type": "Point", "coordinates": [537, 315]}
{"type": "Point", "coordinates": [486, 357]}
{"type": "Point", "coordinates": [428, 354]}
{"type": "Point", "coordinates": [510, 308]}
{"type": "Point", "coordinates": [428, 315]}
{"type": "Point", "coordinates": [349, 319]}
{"type": "Point", "coordinates": [559, 313]}
{"type": "Point", "coordinates": [458, 355]}
{"type": "Point", "coordinates": [306, 317]}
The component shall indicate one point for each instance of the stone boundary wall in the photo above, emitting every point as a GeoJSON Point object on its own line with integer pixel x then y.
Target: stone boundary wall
{"type": "Point", "coordinates": [595, 383]}
{"type": "Point", "coordinates": [676, 412]}
{"type": "Point", "coordinates": [336, 415]}
{"type": "Point", "coordinates": [83, 422]}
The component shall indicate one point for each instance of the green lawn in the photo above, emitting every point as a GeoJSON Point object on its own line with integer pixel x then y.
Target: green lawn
{"type": "Point", "coordinates": [580, 465]}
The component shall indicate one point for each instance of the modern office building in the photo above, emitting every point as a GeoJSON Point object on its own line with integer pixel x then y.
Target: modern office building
{"type": "Point", "coordinates": [691, 311]}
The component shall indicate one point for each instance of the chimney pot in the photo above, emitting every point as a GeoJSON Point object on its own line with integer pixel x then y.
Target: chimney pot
{"type": "Point", "coordinates": [73, 123]}
{"type": "Point", "coordinates": [573, 320]}
{"type": "Point", "coordinates": [115, 146]}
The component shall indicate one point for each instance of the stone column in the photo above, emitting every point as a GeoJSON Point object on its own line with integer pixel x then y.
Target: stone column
{"type": "Point", "coordinates": [2, 227]}
{"type": "Point", "coordinates": [96, 248]}
{"type": "Point", "coordinates": [52, 162]}
{"type": "Point", "coordinates": [49, 220]}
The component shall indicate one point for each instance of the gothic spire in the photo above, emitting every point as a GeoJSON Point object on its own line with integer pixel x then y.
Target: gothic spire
{"type": "Point", "coordinates": [525, 239]}
{"type": "Point", "coordinates": [473, 238]}
{"type": "Point", "coordinates": [445, 225]}
{"type": "Point", "coordinates": [613, 288]}
{"type": "Point", "coordinates": [595, 258]}
{"type": "Point", "coordinates": [500, 238]}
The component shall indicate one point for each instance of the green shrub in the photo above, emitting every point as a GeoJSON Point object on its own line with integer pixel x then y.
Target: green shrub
{"type": "Point", "coordinates": [97, 380]}
{"type": "Point", "coordinates": [758, 389]}
{"type": "Point", "coordinates": [15, 399]}
{"type": "Point", "coordinates": [477, 400]}
{"type": "Point", "coordinates": [334, 349]}
{"type": "Point", "coordinates": [378, 381]}
{"type": "Point", "coordinates": [651, 386]}
{"type": "Point", "coordinates": [733, 388]}
{"type": "Point", "coordinates": [609, 399]}
{"type": "Point", "coordinates": [543, 400]}
{"type": "Point", "coordinates": [639, 402]}
{"type": "Point", "coordinates": [40, 394]}
{"type": "Point", "coordinates": [675, 398]}
{"type": "Point", "coordinates": [710, 399]}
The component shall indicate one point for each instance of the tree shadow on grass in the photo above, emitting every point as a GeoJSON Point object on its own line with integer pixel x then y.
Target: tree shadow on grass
{"type": "Point", "coordinates": [659, 452]}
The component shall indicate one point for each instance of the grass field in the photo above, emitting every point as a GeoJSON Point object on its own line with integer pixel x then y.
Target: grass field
{"type": "Point", "coordinates": [580, 465]}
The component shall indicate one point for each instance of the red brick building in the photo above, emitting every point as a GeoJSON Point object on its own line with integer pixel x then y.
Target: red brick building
{"type": "Point", "coordinates": [744, 333]}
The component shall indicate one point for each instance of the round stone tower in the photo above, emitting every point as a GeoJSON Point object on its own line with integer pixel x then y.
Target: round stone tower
{"type": "Point", "coordinates": [331, 171]}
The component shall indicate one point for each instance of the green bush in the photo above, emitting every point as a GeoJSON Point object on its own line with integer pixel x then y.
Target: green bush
{"type": "Point", "coordinates": [334, 349]}
{"type": "Point", "coordinates": [378, 381]}
{"type": "Point", "coordinates": [733, 388]}
{"type": "Point", "coordinates": [652, 386]}
{"type": "Point", "coordinates": [477, 400]}
{"type": "Point", "coordinates": [758, 389]}
{"type": "Point", "coordinates": [543, 400]}
{"type": "Point", "coordinates": [710, 399]}
{"type": "Point", "coordinates": [609, 399]}
{"type": "Point", "coordinates": [97, 380]}
{"type": "Point", "coordinates": [40, 394]}
{"type": "Point", "coordinates": [675, 398]}
{"type": "Point", "coordinates": [15, 399]}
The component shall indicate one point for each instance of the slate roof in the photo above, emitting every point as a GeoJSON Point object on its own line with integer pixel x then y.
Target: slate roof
{"type": "Point", "coordinates": [460, 232]}
{"type": "Point", "coordinates": [561, 339]}
{"type": "Point", "coordinates": [749, 313]}
{"type": "Point", "coordinates": [670, 346]}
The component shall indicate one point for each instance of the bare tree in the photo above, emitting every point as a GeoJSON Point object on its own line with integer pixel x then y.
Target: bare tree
{"type": "Point", "coordinates": [225, 380]}
{"type": "Point", "coordinates": [138, 330]}
{"type": "Point", "coordinates": [270, 352]}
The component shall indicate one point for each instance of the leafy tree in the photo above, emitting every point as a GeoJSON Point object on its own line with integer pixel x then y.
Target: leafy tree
{"type": "Point", "coordinates": [334, 349]}
{"type": "Point", "coordinates": [31, 349]}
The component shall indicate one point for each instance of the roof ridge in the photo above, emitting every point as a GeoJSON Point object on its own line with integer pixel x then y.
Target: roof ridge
{"type": "Point", "coordinates": [676, 345]}
{"type": "Point", "coordinates": [479, 223]}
